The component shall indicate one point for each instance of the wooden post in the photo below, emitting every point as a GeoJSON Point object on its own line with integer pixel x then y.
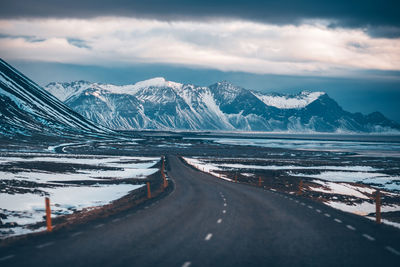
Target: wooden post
{"type": "Point", "coordinates": [165, 185]}
{"type": "Point", "coordinates": [259, 181]}
{"type": "Point", "coordinates": [300, 187]}
{"type": "Point", "coordinates": [148, 190]}
{"type": "Point", "coordinates": [378, 206]}
{"type": "Point", "coordinates": [48, 214]}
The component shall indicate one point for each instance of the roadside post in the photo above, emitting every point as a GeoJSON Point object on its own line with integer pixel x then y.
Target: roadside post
{"type": "Point", "coordinates": [259, 181]}
{"type": "Point", "coordinates": [148, 190]}
{"type": "Point", "coordinates": [300, 187]}
{"type": "Point", "coordinates": [48, 215]}
{"type": "Point", "coordinates": [378, 206]}
{"type": "Point", "coordinates": [165, 185]}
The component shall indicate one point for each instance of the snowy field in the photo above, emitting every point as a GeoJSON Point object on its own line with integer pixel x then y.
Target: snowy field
{"type": "Point", "coordinates": [72, 182]}
{"type": "Point", "coordinates": [345, 186]}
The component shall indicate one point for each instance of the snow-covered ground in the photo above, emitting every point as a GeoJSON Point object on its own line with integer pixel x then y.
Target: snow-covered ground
{"type": "Point", "coordinates": [26, 179]}
{"type": "Point", "coordinates": [379, 180]}
{"type": "Point", "coordinates": [357, 184]}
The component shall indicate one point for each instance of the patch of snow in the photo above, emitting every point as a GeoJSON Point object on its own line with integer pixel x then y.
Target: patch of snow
{"type": "Point", "coordinates": [377, 179]}
{"type": "Point", "coordinates": [341, 189]}
{"type": "Point", "coordinates": [206, 167]}
{"type": "Point", "coordinates": [362, 209]}
{"type": "Point", "coordinates": [289, 101]}
{"type": "Point", "coordinates": [28, 208]}
{"type": "Point", "coordinates": [292, 167]}
{"type": "Point", "coordinates": [25, 209]}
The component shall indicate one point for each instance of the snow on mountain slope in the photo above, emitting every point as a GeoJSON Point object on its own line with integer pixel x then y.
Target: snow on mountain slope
{"type": "Point", "coordinates": [161, 104]}
{"type": "Point", "coordinates": [287, 102]}
{"type": "Point", "coordinates": [26, 108]}
{"type": "Point", "coordinates": [65, 90]}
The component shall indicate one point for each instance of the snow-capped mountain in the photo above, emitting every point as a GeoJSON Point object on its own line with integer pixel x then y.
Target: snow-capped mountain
{"type": "Point", "coordinates": [161, 104]}
{"type": "Point", "coordinates": [27, 109]}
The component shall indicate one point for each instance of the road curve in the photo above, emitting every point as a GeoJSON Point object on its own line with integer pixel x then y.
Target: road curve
{"type": "Point", "coordinates": [207, 221]}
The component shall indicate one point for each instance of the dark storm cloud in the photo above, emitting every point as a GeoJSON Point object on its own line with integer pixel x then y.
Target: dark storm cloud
{"type": "Point", "coordinates": [380, 18]}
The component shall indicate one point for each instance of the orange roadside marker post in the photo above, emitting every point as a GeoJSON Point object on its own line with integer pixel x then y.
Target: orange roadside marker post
{"type": "Point", "coordinates": [300, 187]}
{"type": "Point", "coordinates": [259, 181]}
{"type": "Point", "coordinates": [378, 206]}
{"type": "Point", "coordinates": [163, 175]}
{"type": "Point", "coordinates": [148, 190]}
{"type": "Point", "coordinates": [165, 181]}
{"type": "Point", "coordinates": [48, 215]}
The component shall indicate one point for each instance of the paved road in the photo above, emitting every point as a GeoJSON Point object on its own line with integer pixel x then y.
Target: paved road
{"type": "Point", "coordinates": [206, 221]}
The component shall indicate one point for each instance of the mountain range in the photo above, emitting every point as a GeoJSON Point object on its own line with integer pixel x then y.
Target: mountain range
{"type": "Point", "coordinates": [161, 104]}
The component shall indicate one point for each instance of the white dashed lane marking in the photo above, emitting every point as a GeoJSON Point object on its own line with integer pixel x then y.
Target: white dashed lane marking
{"type": "Point", "coordinates": [224, 211]}
{"type": "Point", "coordinates": [44, 245]}
{"type": "Point", "coordinates": [186, 264]}
{"type": "Point", "coordinates": [219, 221]}
{"type": "Point", "coordinates": [337, 220]}
{"type": "Point", "coordinates": [310, 207]}
{"type": "Point", "coordinates": [99, 225]}
{"type": "Point", "coordinates": [208, 236]}
{"type": "Point", "coordinates": [395, 252]}
{"type": "Point", "coordinates": [350, 227]}
{"type": "Point", "coordinates": [76, 234]}
{"type": "Point", "coordinates": [327, 215]}
{"type": "Point", "coordinates": [7, 257]}
{"type": "Point", "coordinates": [370, 238]}
{"type": "Point", "coordinates": [225, 204]}
{"type": "Point", "coordinates": [116, 220]}
{"type": "Point", "coordinates": [317, 210]}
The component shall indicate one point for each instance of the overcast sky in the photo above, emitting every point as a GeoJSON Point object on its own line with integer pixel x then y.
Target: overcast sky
{"type": "Point", "coordinates": [342, 47]}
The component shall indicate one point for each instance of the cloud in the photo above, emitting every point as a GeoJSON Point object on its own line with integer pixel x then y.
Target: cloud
{"type": "Point", "coordinates": [377, 16]}
{"type": "Point", "coordinates": [234, 45]}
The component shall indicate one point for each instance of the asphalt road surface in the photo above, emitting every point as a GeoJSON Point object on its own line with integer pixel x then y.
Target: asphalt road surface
{"type": "Point", "coordinates": [207, 221]}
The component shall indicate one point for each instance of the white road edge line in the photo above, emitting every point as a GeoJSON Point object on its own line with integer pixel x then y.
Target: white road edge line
{"type": "Point", "coordinates": [208, 237]}
{"type": "Point", "coordinates": [7, 257]}
{"type": "Point", "coordinates": [219, 221]}
{"type": "Point", "coordinates": [370, 238]}
{"type": "Point", "coordinates": [186, 264]}
{"type": "Point", "coordinates": [44, 245]}
{"type": "Point", "coordinates": [99, 225]}
{"type": "Point", "coordinates": [350, 227]}
{"type": "Point", "coordinates": [76, 234]}
{"type": "Point", "coordinates": [116, 220]}
{"type": "Point", "coordinates": [393, 250]}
